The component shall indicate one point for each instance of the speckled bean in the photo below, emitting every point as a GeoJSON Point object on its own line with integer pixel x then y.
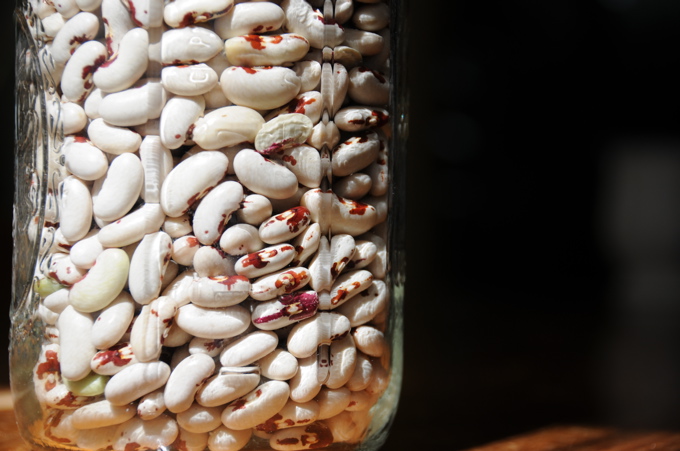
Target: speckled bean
{"type": "Point", "coordinates": [191, 180]}
{"type": "Point", "coordinates": [250, 18]}
{"type": "Point", "coordinates": [257, 406]}
{"type": "Point", "coordinates": [187, 12]}
{"type": "Point", "coordinates": [228, 385]}
{"type": "Point", "coordinates": [322, 329]}
{"type": "Point", "coordinates": [113, 321]}
{"type": "Point", "coordinates": [151, 327]}
{"type": "Point", "coordinates": [215, 210]}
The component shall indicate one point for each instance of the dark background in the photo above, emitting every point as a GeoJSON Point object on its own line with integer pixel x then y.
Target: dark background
{"type": "Point", "coordinates": [543, 222]}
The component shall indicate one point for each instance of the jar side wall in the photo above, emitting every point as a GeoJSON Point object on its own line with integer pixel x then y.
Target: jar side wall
{"type": "Point", "coordinates": [32, 142]}
{"type": "Point", "coordinates": [45, 159]}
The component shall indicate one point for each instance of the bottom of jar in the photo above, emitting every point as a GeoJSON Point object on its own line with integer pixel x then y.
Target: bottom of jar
{"type": "Point", "coordinates": [35, 432]}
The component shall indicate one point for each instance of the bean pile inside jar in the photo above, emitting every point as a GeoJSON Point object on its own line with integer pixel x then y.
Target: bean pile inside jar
{"type": "Point", "coordinates": [214, 245]}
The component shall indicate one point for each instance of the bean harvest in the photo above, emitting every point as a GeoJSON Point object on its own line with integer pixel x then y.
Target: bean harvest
{"type": "Point", "coordinates": [214, 248]}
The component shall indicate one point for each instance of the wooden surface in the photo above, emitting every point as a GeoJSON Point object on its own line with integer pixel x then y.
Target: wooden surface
{"type": "Point", "coordinates": [575, 438]}
{"type": "Point", "coordinates": [10, 439]}
{"type": "Point", "coordinates": [558, 438]}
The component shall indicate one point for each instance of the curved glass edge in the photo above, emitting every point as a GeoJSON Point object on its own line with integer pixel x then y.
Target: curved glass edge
{"type": "Point", "coordinates": [385, 410]}
{"type": "Point", "coordinates": [37, 141]}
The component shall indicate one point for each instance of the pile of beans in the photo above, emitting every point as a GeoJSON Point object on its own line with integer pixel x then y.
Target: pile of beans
{"type": "Point", "coordinates": [213, 260]}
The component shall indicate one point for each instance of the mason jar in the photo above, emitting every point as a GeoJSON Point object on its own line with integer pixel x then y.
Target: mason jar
{"type": "Point", "coordinates": [209, 209]}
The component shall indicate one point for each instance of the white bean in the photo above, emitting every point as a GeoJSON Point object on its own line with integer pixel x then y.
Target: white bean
{"type": "Point", "coordinates": [117, 22]}
{"type": "Point", "coordinates": [151, 405]}
{"type": "Point", "coordinates": [347, 286]}
{"type": "Point", "coordinates": [279, 283]}
{"type": "Point", "coordinates": [75, 339]}
{"type": "Point", "coordinates": [249, 348]}
{"type": "Point", "coordinates": [287, 310]}
{"type": "Point", "coordinates": [187, 12]}
{"type": "Point", "coordinates": [362, 375]}
{"type": "Point", "coordinates": [74, 118]}
{"type": "Point", "coordinates": [368, 87]}
{"type": "Point", "coordinates": [271, 50]}
{"type": "Point", "coordinates": [302, 19]}
{"type": "Point", "coordinates": [227, 126]}
{"type": "Point", "coordinates": [152, 434]}
{"type": "Point", "coordinates": [147, 266]}
{"type": "Point", "coordinates": [103, 283]}
{"type": "Point", "coordinates": [241, 239]}
{"type": "Point", "coordinates": [285, 226]}
{"type": "Point", "coordinates": [211, 262]}
{"type": "Point", "coordinates": [309, 73]}
{"type": "Point", "coordinates": [157, 163]}
{"type": "Point", "coordinates": [359, 118]}
{"type": "Point", "coordinates": [199, 419]}
{"type": "Point", "coordinates": [213, 323]}
{"type": "Point", "coordinates": [343, 359]}
{"type": "Point", "coordinates": [76, 82]}
{"type": "Point", "coordinates": [260, 88]}
{"type": "Point", "coordinates": [132, 227]}
{"type": "Point", "coordinates": [177, 227]}
{"type": "Point", "coordinates": [322, 329]}
{"type": "Point", "coordinates": [75, 208]}
{"type": "Point", "coordinates": [278, 365]}
{"type": "Point", "coordinates": [225, 439]}
{"type": "Point", "coordinates": [193, 441]}
{"type": "Point", "coordinates": [178, 115]}
{"type": "Point", "coordinates": [354, 186]}
{"type": "Point", "coordinates": [366, 42]}
{"type": "Point", "coordinates": [62, 269]}
{"type": "Point", "coordinates": [113, 321]}
{"type": "Point", "coordinates": [101, 414]}
{"type": "Point", "coordinates": [113, 360]}
{"type": "Point", "coordinates": [263, 176]}
{"type": "Point", "coordinates": [265, 261]}
{"type": "Point", "coordinates": [151, 327]}
{"type": "Point", "coordinates": [283, 132]}
{"type": "Point", "coordinates": [215, 211]}
{"type": "Point", "coordinates": [80, 28]}
{"type": "Point", "coordinates": [249, 18]}
{"type": "Point", "coordinates": [364, 308]}
{"type": "Point", "coordinates": [145, 13]}
{"type": "Point", "coordinates": [84, 160]}
{"type": "Point", "coordinates": [135, 381]}
{"type": "Point", "coordinates": [127, 65]}
{"type": "Point", "coordinates": [254, 210]}
{"type": "Point", "coordinates": [189, 45]}
{"type": "Point", "coordinates": [228, 385]}
{"type": "Point", "coordinates": [372, 17]}
{"type": "Point", "coordinates": [112, 139]}
{"type": "Point", "coordinates": [366, 252]}
{"type": "Point", "coordinates": [185, 380]}
{"type": "Point", "coordinates": [355, 154]}
{"type": "Point", "coordinates": [257, 406]}
{"type": "Point", "coordinates": [192, 80]}
{"type": "Point", "coordinates": [118, 191]}
{"type": "Point", "coordinates": [191, 180]}
{"type": "Point", "coordinates": [332, 401]}
{"type": "Point", "coordinates": [293, 414]}
{"type": "Point", "coordinates": [135, 106]}
{"type": "Point", "coordinates": [219, 291]}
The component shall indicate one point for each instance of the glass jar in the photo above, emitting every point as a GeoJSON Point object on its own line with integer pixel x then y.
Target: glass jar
{"type": "Point", "coordinates": [209, 242]}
